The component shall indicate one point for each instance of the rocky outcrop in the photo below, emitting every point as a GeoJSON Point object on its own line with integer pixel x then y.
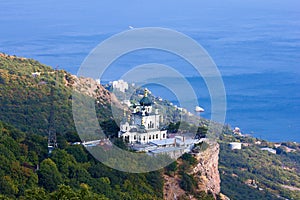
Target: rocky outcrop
{"type": "Point", "coordinates": [172, 189]}
{"type": "Point", "coordinates": [92, 88]}
{"type": "Point", "coordinates": [206, 171]}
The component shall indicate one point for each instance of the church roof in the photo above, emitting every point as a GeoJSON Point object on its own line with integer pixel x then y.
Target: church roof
{"type": "Point", "coordinates": [145, 101]}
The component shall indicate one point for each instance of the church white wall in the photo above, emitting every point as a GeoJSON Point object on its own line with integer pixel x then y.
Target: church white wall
{"type": "Point", "coordinates": [151, 121]}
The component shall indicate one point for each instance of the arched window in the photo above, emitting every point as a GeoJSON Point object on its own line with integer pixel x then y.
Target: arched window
{"type": "Point", "coordinates": [151, 125]}
{"type": "Point", "coordinates": [164, 135]}
{"type": "Point", "coordinates": [156, 136]}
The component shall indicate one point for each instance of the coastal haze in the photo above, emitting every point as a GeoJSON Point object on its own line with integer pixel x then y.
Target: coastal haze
{"type": "Point", "coordinates": [256, 46]}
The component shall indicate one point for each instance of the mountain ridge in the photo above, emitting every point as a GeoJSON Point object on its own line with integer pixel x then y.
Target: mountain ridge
{"type": "Point", "coordinates": [26, 87]}
{"type": "Point", "coordinates": [25, 106]}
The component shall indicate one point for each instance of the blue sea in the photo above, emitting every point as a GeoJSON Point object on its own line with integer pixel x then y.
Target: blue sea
{"type": "Point", "coordinates": [256, 46]}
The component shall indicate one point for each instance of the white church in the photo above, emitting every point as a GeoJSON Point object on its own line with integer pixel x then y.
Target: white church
{"type": "Point", "coordinates": [143, 125]}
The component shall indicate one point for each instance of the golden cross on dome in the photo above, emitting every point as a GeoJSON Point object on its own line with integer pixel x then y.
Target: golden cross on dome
{"type": "Point", "coordinates": [145, 92]}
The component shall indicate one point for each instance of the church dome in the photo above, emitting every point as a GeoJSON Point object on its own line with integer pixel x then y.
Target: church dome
{"type": "Point", "coordinates": [145, 101]}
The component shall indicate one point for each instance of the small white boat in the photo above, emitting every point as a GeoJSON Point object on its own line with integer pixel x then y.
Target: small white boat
{"type": "Point", "coordinates": [199, 109]}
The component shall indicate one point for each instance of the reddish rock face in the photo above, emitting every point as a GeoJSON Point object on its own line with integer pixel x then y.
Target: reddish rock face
{"type": "Point", "coordinates": [206, 171]}
{"type": "Point", "coordinates": [92, 88]}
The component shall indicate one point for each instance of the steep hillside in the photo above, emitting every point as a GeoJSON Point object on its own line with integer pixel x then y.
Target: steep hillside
{"type": "Point", "coordinates": [206, 170]}
{"type": "Point", "coordinates": [29, 91]}
{"type": "Point", "coordinates": [29, 88]}
{"type": "Point", "coordinates": [251, 173]}
{"type": "Point", "coordinates": [194, 176]}
{"type": "Point", "coordinates": [27, 172]}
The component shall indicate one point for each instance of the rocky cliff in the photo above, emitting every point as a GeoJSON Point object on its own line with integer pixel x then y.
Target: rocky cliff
{"type": "Point", "coordinates": [92, 88]}
{"type": "Point", "coordinates": [205, 172]}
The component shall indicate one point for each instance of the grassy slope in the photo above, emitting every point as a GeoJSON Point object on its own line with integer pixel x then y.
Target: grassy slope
{"type": "Point", "coordinates": [25, 103]}
{"type": "Point", "coordinates": [269, 171]}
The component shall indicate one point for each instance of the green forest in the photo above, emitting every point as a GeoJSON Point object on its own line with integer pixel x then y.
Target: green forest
{"type": "Point", "coordinates": [28, 172]}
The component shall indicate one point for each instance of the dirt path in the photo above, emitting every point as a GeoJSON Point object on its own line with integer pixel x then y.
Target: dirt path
{"type": "Point", "coordinates": [291, 188]}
